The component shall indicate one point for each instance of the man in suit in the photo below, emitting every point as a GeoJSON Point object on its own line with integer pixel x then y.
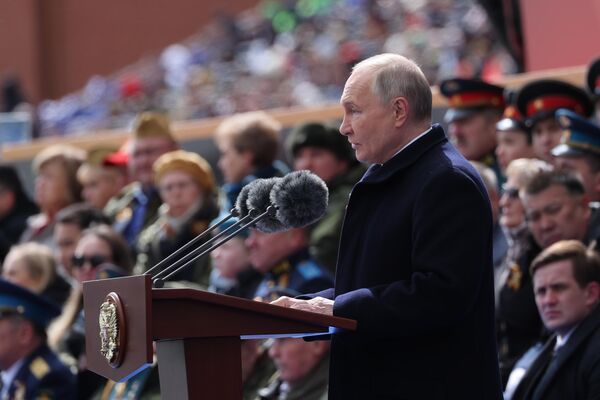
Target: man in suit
{"type": "Point", "coordinates": [415, 261]}
{"type": "Point", "coordinates": [566, 283]}
{"type": "Point", "coordinates": [29, 369]}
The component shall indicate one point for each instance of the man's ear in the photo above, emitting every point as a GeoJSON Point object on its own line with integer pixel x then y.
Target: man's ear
{"type": "Point", "coordinates": [401, 109]}
{"type": "Point", "coordinates": [592, 291]}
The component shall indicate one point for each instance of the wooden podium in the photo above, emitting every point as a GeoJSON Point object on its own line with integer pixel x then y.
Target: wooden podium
{"type": "Point", "coordinates": [198, 334]}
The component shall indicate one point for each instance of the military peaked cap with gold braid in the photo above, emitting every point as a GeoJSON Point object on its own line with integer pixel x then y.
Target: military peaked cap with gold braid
{"type": "Point", "coordinates": [540, 99]}
{"type": "Point", "coordinates": [467, 96]}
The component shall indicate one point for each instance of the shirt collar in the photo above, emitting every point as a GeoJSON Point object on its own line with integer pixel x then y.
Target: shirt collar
{"type": "Point", "coordinates": [561, 340]}
{"type": "Point", "coordinates": [8, 376]}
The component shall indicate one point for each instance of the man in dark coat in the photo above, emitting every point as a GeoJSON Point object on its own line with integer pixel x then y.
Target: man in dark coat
{"type": "Point", "coordinates": [566, 282]}
{"type": "Point", "coordinates": [415, 261]}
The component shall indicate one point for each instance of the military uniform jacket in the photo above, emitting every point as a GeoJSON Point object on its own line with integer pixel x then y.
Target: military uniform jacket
{"type": "Point", "coordinates": [121, 209]}
{"type": "Point", "coordinates": [296, 275]}
{"type": "Point", "coordinates": [156, 243]}
{"type": "Point", "coordinates": [312, 387]}
{"type": "Point", "coordinates": [325, 234]}
{"type": "Point", "coordinates": [415, 271]}
{"type": "Point", "coordinates": [573, 372]}
{"type": "Point", "coordinates": [43, 376]}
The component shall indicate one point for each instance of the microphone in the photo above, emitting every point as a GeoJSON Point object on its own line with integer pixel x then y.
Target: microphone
{"type": "Point", "coordinates": [300, 198]}
{"type": "Point", "coordinates": [274, 204]}
{"type": "Point", "coordinates": [259, 199]}
{"type": "Point", "coordinates": [250, 203]}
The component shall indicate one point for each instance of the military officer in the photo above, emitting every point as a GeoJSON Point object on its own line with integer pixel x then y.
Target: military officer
{"type": "Point", "coordinates": [30, 370]}
{"type": "Point", "coordinates": [474, 108]}
{"type": "Point", "coordinates": [538, 101]}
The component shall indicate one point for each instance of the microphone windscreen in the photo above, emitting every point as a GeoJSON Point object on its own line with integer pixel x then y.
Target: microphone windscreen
{"type": "Point", "coordinates": [259, 199]}
{"type": "Point", "coordinates": [240, 202]}
{"type": "Point", "coordinates": [301, 199]}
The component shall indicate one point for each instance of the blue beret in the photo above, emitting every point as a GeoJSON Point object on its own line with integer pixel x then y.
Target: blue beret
{"type": "Point", "coordinates": [15, 299]}
{"type": "Point", "coordinates": [579, 135]}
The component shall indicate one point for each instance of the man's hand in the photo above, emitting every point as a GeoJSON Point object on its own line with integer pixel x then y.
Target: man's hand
{"type": "Point", "coordinates": [319, 305]}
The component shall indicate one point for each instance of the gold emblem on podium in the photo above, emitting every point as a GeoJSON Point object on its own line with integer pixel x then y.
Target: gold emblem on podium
{"type": "Point", "coordinates": [112, 330]}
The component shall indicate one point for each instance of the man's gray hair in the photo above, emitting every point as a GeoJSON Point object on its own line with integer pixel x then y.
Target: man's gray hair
{"type": "Point", "coordinates": [398, 76]}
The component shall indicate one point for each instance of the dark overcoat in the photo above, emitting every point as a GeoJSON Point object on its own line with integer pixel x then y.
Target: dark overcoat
{"type": "Point", "coordinates": [415, 270]}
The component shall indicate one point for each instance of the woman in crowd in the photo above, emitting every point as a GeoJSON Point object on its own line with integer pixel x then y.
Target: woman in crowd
{"type": "Point", "coordinates": [32, 265]}
{"type": "Point", "coordinates": [100, 253]}
{"type": "Point", "coordinates": [56, 187]}
{"type": "Point", "coordinates": [186, 185]}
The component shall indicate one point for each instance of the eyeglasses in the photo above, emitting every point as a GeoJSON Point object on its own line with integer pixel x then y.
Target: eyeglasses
{"type": "Point", "coordinates": [511, 192]}
{"type": "Point", "coordinates": [95, 261]}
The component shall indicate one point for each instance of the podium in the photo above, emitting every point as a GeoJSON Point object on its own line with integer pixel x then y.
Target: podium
{"type": "Point", "coordinates": [197, 334]}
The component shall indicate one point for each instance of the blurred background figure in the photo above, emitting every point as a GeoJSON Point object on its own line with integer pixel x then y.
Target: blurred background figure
{"type": "Point", "coordinates": [100, 253]}
{"type": "Point", "coordinates": [187, 188]}
{"type": "Point", "coordinates": [30, 370]}
{"type": "Point", "coordinates": [257, 367]}
{"type": "Point", "coordinates": [593, 86]}
{"type": "Point", "coordinates": [71, 221]}
{"type": "Point", "coordinates": [284, 260]}
{"type": "Point", "coordinates": [137, 205]}
{"type": "Point", "coordinates": [56, 187]}
{"type": "Point", "coordinates": [100, 179]}
{"type": "Point", "coordinates": [474, 108]}
{"type": "Point", "coordinates": [302, 370]}
{"type": "Point", "coordinates": [15, 208]}
{"type": "Point", "coordinates": [232, 272]}
{"type": "Point", "coordinates": [513, 136]}
{"type": "Point", "coordinates": [32, 266]}
{"type": "Point", "coordinates": [538, 101]}
{"type": "Point", "coordinates": [322, 150]}
{"type": "Point", "coordinates": [248, 145]}
{"type": "Point", "coordinates": [517, 321]}
{"type": "Point", "coordinates": [500, 244]}
{"type": "Point", "coordinates": [579, 150]}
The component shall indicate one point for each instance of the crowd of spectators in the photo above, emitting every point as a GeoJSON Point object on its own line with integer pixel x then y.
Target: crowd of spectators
{"type": "Point", "coordinates": [113, 212]}
{"type": "Point", "coordinates": [283, 54]}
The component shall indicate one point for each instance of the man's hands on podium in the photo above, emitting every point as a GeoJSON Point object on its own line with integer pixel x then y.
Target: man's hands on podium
{"type": "Point", "coordinates": [319, 305]}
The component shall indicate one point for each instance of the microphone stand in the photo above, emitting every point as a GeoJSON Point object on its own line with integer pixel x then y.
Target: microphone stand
{"type": "Point", "coordinates": [232, 213]}
{"type": "Point", "coordinates": [176, 267]}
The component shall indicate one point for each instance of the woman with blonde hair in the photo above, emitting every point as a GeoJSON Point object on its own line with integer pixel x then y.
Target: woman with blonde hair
{"type": "Point", "coordinates": [32, 266]}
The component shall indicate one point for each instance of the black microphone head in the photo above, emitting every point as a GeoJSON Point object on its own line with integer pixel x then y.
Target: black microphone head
{"type": "Point", "coordinates": [240, 203]}
{"type": "Point", "coordinates": [259, 199]}
{"type": "Point", "coordinates": [301, 199]}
